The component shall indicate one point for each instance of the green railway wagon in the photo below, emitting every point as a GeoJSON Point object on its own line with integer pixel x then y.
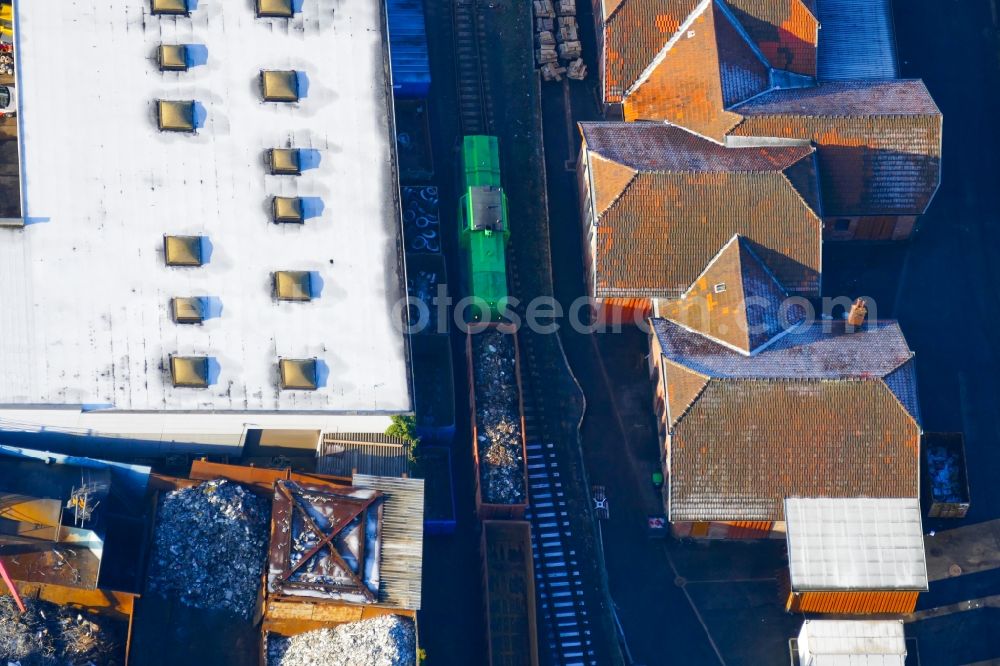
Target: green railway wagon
{"type": "Point", "coordinates": [484, 229]}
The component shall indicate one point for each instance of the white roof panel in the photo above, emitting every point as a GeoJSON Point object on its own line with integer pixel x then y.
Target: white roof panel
{"type": "Point", "coordinates": [84, 313]}
{"type": "Point", "coordinates": [852, 643]}
{"type": "Point", "coordinates": [855, 544]}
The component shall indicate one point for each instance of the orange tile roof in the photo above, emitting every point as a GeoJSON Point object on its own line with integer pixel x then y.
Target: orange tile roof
{"type": "Point", "coordinates": [879, 142]}
{"type": "Point", "coordinates": [687, 199]}
{"type": "Point", "coordinates": [786, 31]}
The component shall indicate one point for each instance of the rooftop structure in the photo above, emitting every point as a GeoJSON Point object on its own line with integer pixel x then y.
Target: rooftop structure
{"type": "Point", "coordinates": [130, 228]}
{"type": "Point", "coordinates": [852, 643]}
{"type": "Point", "coordinates": [852, 544]}
{"type": "Point", "coordinates": [747, 430]}
{"type": "Point", "coordinates": [664, 201]}
{"type": "Point", "coordinates": [346, 454]}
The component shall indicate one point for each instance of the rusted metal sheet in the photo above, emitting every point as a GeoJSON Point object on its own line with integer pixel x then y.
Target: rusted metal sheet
{"type": "Point", "coordinates": [509, 593]}
{"type": "Point", "coordinates": [486, 510]}
{"type": "Point", "coordinates": [885, 602]}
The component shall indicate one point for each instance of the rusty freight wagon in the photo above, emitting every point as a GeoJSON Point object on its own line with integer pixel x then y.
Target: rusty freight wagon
{"type": "Point", "coordinates": [946, 478]}
{"type": "Point", "coordinates": [509, 593]}
{"type": "Point", "coordinates": [497, 418]}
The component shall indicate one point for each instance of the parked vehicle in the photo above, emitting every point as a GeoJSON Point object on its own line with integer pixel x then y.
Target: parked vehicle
{"type": "Point", "coordinates": [600, 502]}
{"type": "Point", "coordinates": [656, 526]}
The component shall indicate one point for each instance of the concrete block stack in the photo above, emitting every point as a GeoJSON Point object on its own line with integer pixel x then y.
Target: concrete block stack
{"type": "Point", "coordinates": [557, 40]}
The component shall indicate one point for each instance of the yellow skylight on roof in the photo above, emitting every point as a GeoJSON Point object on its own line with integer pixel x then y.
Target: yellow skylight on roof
{"type": "Point", "coordinates": [182, 250]}
{"type": "Point", "coordinates": [275, 8]}
{"type": "Point", "coordinates": [279, 86]}
{"type": "Point", "coordinates": [292, 285]}
{"type": "Point", "coordinates": [287, 209]}
{"type": "Point", "coordinates": [298, 373]}
{"type": "Point", "coordinates": [187, 310]}
{"type": "Point", "coordinates": [169, 7]}
{"type": "Point", "coordinates": [189, 371]}
{"type": "Point", "coordinates": [172, 57]}
{"type": "Point", "coordinates": [175, 116]}
{"type": "Point", "coordinates": [285, 161]}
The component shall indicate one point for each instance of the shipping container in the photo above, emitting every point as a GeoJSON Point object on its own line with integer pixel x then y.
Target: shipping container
{"type": "Point", "coordinates": [439, 491]}
{"type": "Point", "coordinates": [499, 399]}
{"type": "Point", "coordinates": [411, 70]}
{"type": "Point", "coordinates": [946, 478]}
{"type": "Point", "coordinates": [509, 593]}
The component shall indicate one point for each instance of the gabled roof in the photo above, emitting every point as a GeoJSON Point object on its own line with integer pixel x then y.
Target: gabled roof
{"type": "Point", "coordinates": [709, 65]}
{"type": "Point", "coordinates": [879, 142]}
{"type": "Point", "coordinates": [852, 643]}
{"type": "Point", "coordinates": [666, 200]}
{"type": "Point", "coordinates": [786, 31]}
{"type": "Point", "coordinates": [812, 414]}
{"type": "Point", "coordinates": [736, 301]}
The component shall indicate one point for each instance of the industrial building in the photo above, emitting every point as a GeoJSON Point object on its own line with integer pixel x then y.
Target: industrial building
{"type": "Point", "coordinates": [209, 237]}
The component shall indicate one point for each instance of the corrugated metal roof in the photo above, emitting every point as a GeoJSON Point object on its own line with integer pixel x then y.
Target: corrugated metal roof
{"type": "Point", "coordinates": [856, 40]}
{"type": "Point", "coordinates": [855, 544]}
{"type": "Point", "coordinates": [852, 643]}
{"type": "Point", "coordinates": [411, 70]}
{"type": "Point", "coordinates": [364, 453]}
{"type": "Point", "coordinates": [402, 538]}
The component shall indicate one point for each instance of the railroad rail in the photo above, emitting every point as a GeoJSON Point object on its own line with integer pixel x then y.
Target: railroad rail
{"type": "Point", "coordinates": [475, 105]}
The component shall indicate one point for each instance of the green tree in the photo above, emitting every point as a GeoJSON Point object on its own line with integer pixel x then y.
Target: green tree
{"type": "Point", "coordinates": [405, 428]}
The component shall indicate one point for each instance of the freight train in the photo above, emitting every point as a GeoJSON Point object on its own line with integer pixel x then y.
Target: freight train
{"type": "Point", "coordinates": [483, 228]}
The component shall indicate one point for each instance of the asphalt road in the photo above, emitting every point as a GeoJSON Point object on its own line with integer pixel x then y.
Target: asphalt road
{"type": "Point", "coordinates": [717, 603]}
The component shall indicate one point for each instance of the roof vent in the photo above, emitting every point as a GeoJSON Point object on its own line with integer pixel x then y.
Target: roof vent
{"type": "Point", "coordinates": [175, 116]}
{"type": "Point", "coordinates": [279, 86]}
{"type": "Point", "coordinates": [189, 371]}
{"type": "Point", "coordinates": [298, 374]}
{"type": "Point", "coordinates": [187, 310]}
{"type": "Point", "coordinates": [719, 288]}
{"type": "Point", "coordinates": [275, 9]}
{"type": "Point", "coordinates": [292, 286]}
{"type": "Point", "coordinates": [172, 57]}
{"type": "Point", "coordinates": [284, 161]}
{"type": "Point", "coordinates": [170, 7]}
{"type": "Point", "coordinates": [183, 250]}
{"type": "Point", "coordinates": [287, 209]}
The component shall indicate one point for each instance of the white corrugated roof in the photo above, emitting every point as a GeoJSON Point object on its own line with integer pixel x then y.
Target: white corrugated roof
{"type": "Point", "coordinates": [84, 310]}
{"type": "Point", "coordinates": [855, 544]}
{"type": "Point", "coordinates": [852, 643]}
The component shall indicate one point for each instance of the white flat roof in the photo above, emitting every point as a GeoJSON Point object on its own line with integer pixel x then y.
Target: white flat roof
{"type": "Point", "coordinates": [852, 643]}
{"type": "Point", "coordinates": [855, 544]}
{"type": "Point", "coordinates": [84, 305]}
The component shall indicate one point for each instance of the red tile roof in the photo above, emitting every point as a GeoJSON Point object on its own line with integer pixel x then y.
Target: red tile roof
{"type": "Point", "coordinates": [879, 142]}
{"type": "Point", "coordinates": [687, 199]}
{"type": "Point", "coordinates": [786, 31]}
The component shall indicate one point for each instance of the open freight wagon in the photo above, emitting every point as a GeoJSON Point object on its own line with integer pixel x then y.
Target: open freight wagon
{"type": "Point", "coordinates": [497, 417]}
{"type": "Point", "coordinates": [509, 593]}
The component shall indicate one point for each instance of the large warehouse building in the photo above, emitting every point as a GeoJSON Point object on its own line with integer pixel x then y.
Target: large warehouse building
{"type": "Point", "coordinates": [209, 238]}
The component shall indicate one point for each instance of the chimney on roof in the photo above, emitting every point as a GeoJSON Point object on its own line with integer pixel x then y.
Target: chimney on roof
{"type": "Point", "coordinates": [858, 312]}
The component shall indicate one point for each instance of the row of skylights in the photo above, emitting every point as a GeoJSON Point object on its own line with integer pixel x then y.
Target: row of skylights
{"type": "Point", "coordinates": [295, 374]}
{"type": "Point", "coordinates": [265, 8]}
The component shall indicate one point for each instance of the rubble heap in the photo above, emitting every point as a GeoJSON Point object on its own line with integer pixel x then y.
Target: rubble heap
{"type": "Point", "coordinates": [51, 635]}
{"type": "Point", "coordinates": [389, 640]}
{"type": "Point", "coordinates": [210, 546]}
{"type": "Point", "coordinates": [557, 40]}
{"type": "Point", "coordinates": [498, 419]}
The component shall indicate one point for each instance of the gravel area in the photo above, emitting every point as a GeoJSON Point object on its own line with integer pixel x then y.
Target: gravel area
{"type": "Point", "coordinates": [210, 546]}
{"type": "Point", "coordinates": [389, 640]}
{"type": "Point", "coordinates": [498, 419]}
{"type": "Point", "coordinates": [51, 635]}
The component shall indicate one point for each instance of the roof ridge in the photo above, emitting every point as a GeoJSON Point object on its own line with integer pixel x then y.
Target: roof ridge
{"type": "Point", "coordinates": [614, 202]}
{"type": "Point", "coordinates": [818, 214]}
{"type": "Point", "coordinates": [661, 54]}
{"type": "Point", "coordinates": [697, 396]}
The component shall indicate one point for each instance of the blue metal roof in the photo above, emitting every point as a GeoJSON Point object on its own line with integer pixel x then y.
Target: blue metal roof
{"type": "Point", "coordinates": [411, 72]}
{"type": "Point", "coordinates": [856, 40]}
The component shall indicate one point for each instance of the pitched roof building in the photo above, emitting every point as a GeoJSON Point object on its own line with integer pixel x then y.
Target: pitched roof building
{"type": "Point", "coordinates": [661, 201]}
{"type": "Point", "coordinates": [823, 410]}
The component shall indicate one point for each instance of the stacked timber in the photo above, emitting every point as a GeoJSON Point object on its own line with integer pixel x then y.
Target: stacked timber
{"type": "Point", "coordinates": [557, 40]}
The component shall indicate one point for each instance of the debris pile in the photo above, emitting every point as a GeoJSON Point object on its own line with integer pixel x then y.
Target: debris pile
{"type": "Point", "coordinates": [389, 640]}
{"type": "Point", "coordinates": [210, 546]}
{"type": "Point", "coordinates": [945, 470]}
{"type": "Point", "coordinates": [498, 419]}
{"type": "Point", "coordinates": [51, 635]}
{"type": "Point", "coordinates": [557, 40]}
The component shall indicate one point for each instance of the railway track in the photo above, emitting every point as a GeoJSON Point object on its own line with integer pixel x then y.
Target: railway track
{"type": "Point", "coordinates": [475, 106]}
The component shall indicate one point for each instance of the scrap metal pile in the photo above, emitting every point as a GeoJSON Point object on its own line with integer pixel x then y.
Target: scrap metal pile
{"type": "Point", "coordinates": [420, 219]}
{"type": "Point", "coordinates": [945, 471]}
{"type": "Point", "coordinates": [498, 419]}
{"type": "Point", "coordinates": [389, 640]}
{"type": "Point", "coordinates": [51, 635]}
{"type": "Point", "coordinates": [210, 546]}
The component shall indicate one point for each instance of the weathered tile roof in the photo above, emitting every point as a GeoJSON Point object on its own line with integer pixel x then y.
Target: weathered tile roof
{"type": "Point", "coordinates": [822, 411]}
{"type": "Point", "coordinates": [736, 301]}
{"type": "Point", "coordinates": [676, 198]}
{"type": "Point", "coordinates": [708, 66]}
{"type": "Point", "coordinates": [879, 142]}
{"type": "Point", "coordinates": [786, 31]}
